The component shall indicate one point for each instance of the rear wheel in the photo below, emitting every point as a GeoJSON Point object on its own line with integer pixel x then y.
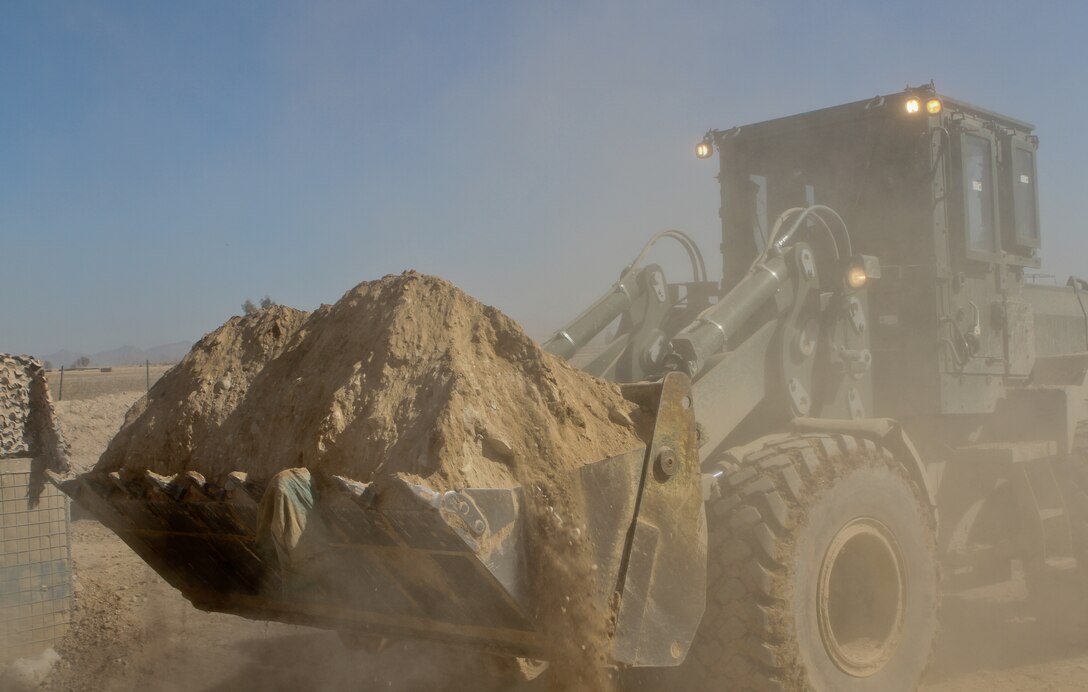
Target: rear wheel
{"type": "Point", "coordinates": [822, 572]}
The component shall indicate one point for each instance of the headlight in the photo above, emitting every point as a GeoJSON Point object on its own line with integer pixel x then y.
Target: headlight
{"type": "Point", "coordinates": [913, 105]}
{"type": "Point", "coordinates": [704, 149]}
{"type": "Point", "coordinates": [934, 106]}
{"type": "Point", "coordinates": [856, 278]}
{"type": "Point", "coordinates": [860, 271]}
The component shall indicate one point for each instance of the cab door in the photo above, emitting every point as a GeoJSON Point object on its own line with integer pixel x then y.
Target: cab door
{"type": "Point", "coordinates": [1020, 241]}
{"type": "Point", "coordinates": [972, 331]}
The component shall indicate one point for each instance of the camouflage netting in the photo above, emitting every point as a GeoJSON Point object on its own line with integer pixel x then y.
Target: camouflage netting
{"type": "Point", "coordinates": [14, 405]}
{"type": "Point", "coordinates": [28, 426]}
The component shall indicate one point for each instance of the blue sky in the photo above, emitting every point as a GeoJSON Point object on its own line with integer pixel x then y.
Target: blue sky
{"type": "Point", "coordinates": [162, 162]}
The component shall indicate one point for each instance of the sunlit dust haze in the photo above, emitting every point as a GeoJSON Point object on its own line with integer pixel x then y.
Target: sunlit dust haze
{"type": "Point", "coordinates": [164, 162]}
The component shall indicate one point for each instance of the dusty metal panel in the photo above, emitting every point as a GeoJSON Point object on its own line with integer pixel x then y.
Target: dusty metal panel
{"type": "Point", "coordinates": [970, 393]}
{"type": "Point", "coordinates": [1037, 413]}
{"type": "Point", "coordinates": [664, 576]}
{"type": "Point", "coordinates": [906, 356]}
{"type": "Point", "coordinates": [1019, 337]}
{"type": "Point", "coordinates": [732, 388]}
{"type": "Point", "coordinates": [1008, 452]}
{"type": "Point", "coordinates": [1061, 321]}
{"type": "Point", "coordinates": [1070, 369]}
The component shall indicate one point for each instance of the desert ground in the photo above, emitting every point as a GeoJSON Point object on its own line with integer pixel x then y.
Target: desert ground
{"type": "Point", "coordinates": [92, 382]}
{"type": "Point", "coordinates": [131, 631]}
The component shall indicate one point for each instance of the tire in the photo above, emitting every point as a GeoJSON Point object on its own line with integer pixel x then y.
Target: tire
{"type": "Point", "coordinates": [822, 572]}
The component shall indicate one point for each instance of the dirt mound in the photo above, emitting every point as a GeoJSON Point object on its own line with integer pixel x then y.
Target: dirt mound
{"type": "Point", "coordinates": [182, 420]}
{"type": "Point", "coordinates": [403, 375]}
{"type": "Point", "coordinates": [89, 424]}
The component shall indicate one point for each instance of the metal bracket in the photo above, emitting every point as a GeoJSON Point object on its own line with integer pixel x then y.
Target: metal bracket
{"type": "Point", "coordinates": [802, 402]}
{"type": "Point", "coordinates": [662, 582]}
{"type": "Point", "coordinates": [856, 313]}
{"type": "Point", "coordinates": [857, 407]}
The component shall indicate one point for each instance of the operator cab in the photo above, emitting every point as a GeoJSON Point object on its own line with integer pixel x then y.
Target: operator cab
{"type": "Point", "coordinates": [944, 193]}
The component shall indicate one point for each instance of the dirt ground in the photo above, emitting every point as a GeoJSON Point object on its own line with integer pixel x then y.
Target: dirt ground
{"type": "Point", "coordinates": [95, 382]}
{"type": "Point", "coordinates": [132, 631]}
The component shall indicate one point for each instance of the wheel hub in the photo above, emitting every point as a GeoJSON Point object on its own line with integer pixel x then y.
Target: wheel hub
{"type": "Point", "coordinates": [860, 597]}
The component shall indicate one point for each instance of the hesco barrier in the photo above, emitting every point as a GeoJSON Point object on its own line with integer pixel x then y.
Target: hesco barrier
{"type": "Point", "coordinates": [35, 558]}
{"type": "Point", "coordinates": [35, 564]}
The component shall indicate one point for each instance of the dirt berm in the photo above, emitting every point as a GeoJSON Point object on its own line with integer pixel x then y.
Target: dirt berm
{"type": "Point", "coordinates": [404, 375]}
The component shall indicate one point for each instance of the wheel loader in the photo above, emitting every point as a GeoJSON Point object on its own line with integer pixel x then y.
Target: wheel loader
{"type": "Point", "coordinates": [878, 404]}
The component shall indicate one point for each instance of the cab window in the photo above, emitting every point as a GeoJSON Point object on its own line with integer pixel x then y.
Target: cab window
{"type": "Point", "coordinates": [1025, 213]}
{"type": "Point", "coordinates": [980, 219]}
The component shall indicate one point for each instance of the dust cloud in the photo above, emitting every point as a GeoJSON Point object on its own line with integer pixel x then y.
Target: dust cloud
{"type": "Point", "coordinates": [133, 631]}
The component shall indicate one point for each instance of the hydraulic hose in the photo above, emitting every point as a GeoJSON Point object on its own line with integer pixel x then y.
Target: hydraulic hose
{"type": "Point", "coordinates": [816, 210]}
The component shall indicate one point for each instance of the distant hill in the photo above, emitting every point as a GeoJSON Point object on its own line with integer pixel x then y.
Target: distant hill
{"type": "Point", "coordinates": [123, 355]}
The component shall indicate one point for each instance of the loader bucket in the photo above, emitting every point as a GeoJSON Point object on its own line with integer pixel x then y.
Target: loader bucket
{"type": "Point", "coordinates": [400, 559]}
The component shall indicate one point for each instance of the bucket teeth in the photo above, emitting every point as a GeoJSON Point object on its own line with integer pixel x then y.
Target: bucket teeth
{"type": "Point", "coordinates": [235, 481]}
{"type": "Point", "coordinates": [361, 493]}
{"type": "Point", "coordinates": [164, 485]}
{"type": "Point", "coordinates": [194, 478]}
{"type": "Point", "coordinates": [424, 494]}
{"type": "Point", "coordinates": [240, 490]}
{"type": "Point", "coordinates": [66, 484]}
{"type": "Point", "coordinates": [191, 486]}
{"type": "Point", "coordinates": [115, 477]}
{"type": "Point", "coordinates": [188, 485]}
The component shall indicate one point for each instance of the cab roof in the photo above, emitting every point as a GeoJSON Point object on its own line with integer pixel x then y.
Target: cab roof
{"type": "Point", "coordinates": [879, 106]}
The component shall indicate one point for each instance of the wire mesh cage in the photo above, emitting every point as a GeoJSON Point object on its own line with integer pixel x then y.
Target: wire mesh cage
{"type": "Point", "coordinates": [35, 555]}
{"type": "Point", "coordinates": [35, 564]}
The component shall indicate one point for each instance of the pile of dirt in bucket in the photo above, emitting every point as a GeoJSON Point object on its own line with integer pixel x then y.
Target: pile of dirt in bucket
{"type": "Point", "coordinates": [406, 376]}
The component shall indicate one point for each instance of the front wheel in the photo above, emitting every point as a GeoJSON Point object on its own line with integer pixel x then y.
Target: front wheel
{"type": "Point", "coordinates": [822, 572]}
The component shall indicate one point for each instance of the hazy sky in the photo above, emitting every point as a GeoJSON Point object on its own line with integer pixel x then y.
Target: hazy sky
{"type": "Point", "coordinates": [162, 162]}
